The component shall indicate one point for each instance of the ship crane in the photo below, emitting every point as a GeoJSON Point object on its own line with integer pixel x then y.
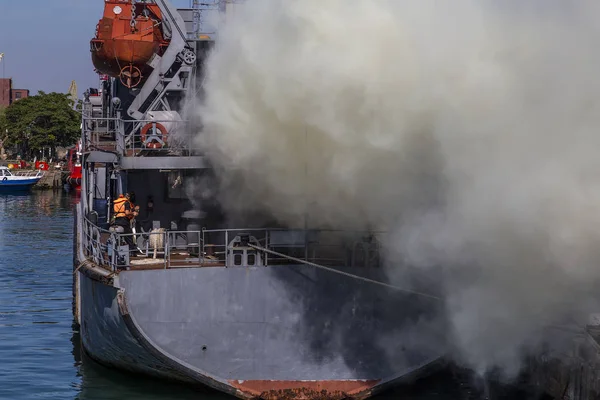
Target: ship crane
{"type": "Point", "coordinates": [154, 60]}
{"type": "Point", "coordinates": [171, 72]}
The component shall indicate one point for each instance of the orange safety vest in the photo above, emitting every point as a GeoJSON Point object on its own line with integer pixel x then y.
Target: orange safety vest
{"type": "Point", "coordinates": [119, 207]}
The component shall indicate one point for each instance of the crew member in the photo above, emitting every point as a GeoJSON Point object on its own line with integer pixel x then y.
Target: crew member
{"type": "Point", "coordinates": [124, 212]}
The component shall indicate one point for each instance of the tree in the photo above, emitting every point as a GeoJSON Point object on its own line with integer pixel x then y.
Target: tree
{"type": "Point", "coordinates": [43, 120]}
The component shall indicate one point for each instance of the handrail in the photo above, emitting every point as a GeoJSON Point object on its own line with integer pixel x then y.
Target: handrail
{"type": "Point", "coordinates": [130, 120]}
{"type": "Point", "coordinates": [349, 231]}
{"type": "Point", "coordinates": [109, 253]}
{"type": "Point", "coordinates": [27, 173]}
{"type": "Point", "coordinates": [219, 247]}
{"type": "Point", "coordinates": [130, 137]}
{"type": "Point", "coordinates": [332, 246]}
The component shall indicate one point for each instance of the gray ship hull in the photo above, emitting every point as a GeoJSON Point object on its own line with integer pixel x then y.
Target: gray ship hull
{"type": "Point", "coordinates": [262, 332]}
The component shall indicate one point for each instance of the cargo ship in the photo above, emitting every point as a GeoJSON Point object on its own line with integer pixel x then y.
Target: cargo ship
{"type": "Point", "coordinates": [179, 293]}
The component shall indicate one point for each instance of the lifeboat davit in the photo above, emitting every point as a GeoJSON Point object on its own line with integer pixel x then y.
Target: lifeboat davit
{"type": "Point", "coordinates": [127, 37]}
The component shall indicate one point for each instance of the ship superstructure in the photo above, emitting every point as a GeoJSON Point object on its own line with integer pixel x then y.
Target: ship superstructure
{"type": "Point", "coordinates": [255, 312]}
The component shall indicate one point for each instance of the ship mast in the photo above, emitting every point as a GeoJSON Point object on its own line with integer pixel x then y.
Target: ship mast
{"type": "Point", "coordinates": [200, 8]}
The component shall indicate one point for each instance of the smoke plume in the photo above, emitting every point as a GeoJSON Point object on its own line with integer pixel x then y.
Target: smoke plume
{"type": "Point", "coordinates": [467, 129]}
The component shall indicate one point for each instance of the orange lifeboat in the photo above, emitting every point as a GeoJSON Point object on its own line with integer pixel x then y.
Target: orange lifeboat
{"type": "Point", "coordinates": [127, 37]}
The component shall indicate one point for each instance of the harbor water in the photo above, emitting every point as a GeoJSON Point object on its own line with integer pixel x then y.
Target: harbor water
{"type": "Point", "coordinates": [40, 351]}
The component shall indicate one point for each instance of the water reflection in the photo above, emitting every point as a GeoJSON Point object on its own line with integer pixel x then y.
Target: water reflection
{"type": "Point", "coordinates": [35, 296]}
{"type": "Point", "coordinates": [46, 203]}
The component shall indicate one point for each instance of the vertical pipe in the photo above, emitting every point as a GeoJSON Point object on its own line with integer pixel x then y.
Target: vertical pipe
{"type": "Point", "coordinates": [226, 248]}
{"type": "Point", "coordinates": [267, 244]}
{"type": "Point", "coordinates": [201, 255]}
{"type": "Point", "coordinates": [166, 237]}
{"type": "Point", "coordinates": [305, 194]}
{"type": "Point", "coordinates": [120, 135]}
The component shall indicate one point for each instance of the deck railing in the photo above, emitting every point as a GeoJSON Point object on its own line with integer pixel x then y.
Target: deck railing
{"type": "Point", "coordinates": [325, 247]}
{"type": "Point", "coordinates": [228, 248]}
{"type": "Point", "coordinates": [27, 172]}
{"type": "Point", "coordinates": [109, 248]}
{"type": "Point", "coordinates": [130, 138]}
{"type": "Point", "coordinates": [94, 247]}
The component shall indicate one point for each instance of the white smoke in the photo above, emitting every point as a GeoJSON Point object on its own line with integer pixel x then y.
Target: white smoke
{"type": "Point", "coordinates": [468, 129]}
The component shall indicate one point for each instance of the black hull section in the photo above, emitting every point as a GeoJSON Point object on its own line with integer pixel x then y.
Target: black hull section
{"type": "Point", "coordinates": [106, 337]}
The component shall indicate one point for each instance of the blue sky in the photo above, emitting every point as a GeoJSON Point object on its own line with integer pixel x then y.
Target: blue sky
{"type": "Point", "coordinates": [46, 42]}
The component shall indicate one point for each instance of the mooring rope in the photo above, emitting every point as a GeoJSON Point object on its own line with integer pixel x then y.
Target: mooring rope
{"type": "Point", "coordinates": [362, 278]}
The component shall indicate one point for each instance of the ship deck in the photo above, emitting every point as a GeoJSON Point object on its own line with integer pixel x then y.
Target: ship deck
{"type": "Point", "coordinates": [175, 251]}
{"type": "Point", "coordinates": [144, 259]}
{"type": "Point", "coordinates": [176, 259]}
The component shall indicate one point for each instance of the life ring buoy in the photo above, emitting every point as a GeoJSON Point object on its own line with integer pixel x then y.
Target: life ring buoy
{"type": "Point", "coordinates": [152, 142]}
{"type": "Point", "coordinates": [5, 178]}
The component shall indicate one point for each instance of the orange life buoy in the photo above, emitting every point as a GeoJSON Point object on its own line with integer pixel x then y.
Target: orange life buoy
{"type": "Point", "coordinates": [153, 143]}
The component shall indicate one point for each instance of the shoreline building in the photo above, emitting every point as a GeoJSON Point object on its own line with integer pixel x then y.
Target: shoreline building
{"type": "Point", "coordinates": [8, 94]}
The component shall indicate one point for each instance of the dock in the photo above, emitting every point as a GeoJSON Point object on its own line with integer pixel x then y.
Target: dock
{"type": "Point", "coordinates": [52, 180]}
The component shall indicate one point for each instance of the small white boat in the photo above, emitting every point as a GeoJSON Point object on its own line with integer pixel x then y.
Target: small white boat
{"type": "Point", "coordinates": [18, 180]}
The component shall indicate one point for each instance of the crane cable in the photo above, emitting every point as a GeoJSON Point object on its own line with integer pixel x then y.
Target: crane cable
{"type": "Point", "coordinates": [344, 273]}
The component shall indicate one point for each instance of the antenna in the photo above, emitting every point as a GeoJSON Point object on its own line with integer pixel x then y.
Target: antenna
{"type": "Point", "coordinates": [199, 7]}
